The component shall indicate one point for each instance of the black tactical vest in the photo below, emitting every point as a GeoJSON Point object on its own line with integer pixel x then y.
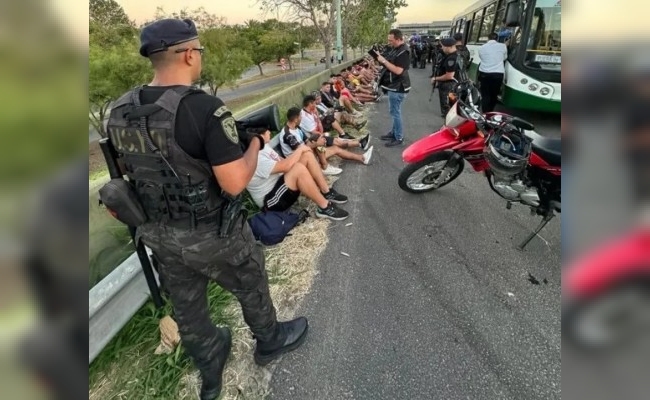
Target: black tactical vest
{"type": "Point", "coordinates": [392, 82]}
{"type": "Point", "coordinates": [173, 187]}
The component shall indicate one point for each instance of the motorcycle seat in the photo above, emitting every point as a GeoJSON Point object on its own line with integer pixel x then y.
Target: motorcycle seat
{"type": "Point", "coordinates": [550, 149]}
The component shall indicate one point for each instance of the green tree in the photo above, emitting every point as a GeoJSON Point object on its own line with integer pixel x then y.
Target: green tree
{"type": "Point", "coordinates": [223, 61]}
{"type": "Point", "coordinates": [367, 21]}
{"type": "Point", "coordinates": [114, 63]}
{"type": "Point", "coordinates": [320, 13]}
{"type": "Point", "coordinates": [113, 70]}
{"type": "Point", "coordinates": [107, 13]}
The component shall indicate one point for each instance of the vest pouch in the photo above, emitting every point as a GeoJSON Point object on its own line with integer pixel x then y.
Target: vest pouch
{"type": "Point", "coordinates": [121, 200]}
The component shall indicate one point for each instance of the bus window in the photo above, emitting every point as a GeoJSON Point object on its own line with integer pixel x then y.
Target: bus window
{"type": "Point", "coordinates": [488, 23]}
{"type": "Point", "coordinates": [476, 26]}
{"type": "Point", "coordinates": [544, 44]}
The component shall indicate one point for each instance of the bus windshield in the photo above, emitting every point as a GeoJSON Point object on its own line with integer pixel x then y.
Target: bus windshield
{"type": "Point", "coordinates": [544, 45]}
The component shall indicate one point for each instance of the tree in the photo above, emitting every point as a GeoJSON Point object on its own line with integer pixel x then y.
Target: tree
{"type": "Point", "coordinates": [114, 63]}
{"type": "Point", "coordinates": [320, 13]}
{"type": "Point", "coordinates": [113, 70]}
{"type": "Point", "coordinates": [107, 13]}
{"type": "Point", "coordinates": [252, 34]}
{"type": "Point", "coordinates": [367, 21]}
{"type": "Point", "coordinates": [223, 61]}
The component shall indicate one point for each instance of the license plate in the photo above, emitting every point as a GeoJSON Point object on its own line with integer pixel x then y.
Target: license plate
{"type": "Point", "coordinates": [548, 59]}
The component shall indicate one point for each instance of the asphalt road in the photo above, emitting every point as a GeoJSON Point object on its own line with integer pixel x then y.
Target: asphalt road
{"type": "Point", "coordinates": [434, 301]}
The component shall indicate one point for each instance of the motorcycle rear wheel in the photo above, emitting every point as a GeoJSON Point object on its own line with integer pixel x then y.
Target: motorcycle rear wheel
{"type": "Point", "coordinates": [419, 177]}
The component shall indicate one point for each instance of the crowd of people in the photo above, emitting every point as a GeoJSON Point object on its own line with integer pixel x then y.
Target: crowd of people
{"type": "Point", "coordinates": [312, 135]}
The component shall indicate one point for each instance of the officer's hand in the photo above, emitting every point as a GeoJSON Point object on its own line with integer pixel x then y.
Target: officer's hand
{"type": "Point", "coordinates": [266, 136]}
{"type": "Point", "coordinates": [433, 81]}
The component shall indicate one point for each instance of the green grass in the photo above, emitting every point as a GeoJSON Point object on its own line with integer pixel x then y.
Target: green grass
{"type": "Point", "coordinates": [128, 361]}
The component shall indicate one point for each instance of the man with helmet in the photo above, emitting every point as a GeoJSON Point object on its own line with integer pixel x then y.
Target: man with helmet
{"type": "Point", "coordinates": [180, 149]}
{"type": "Point", "coordinates": [448, 73]}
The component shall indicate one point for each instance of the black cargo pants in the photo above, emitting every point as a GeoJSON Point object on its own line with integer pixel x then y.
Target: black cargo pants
{"type": "Point", "coordinates": [189, 259]}
{"type": "Point", "coordinates": [444, 88]}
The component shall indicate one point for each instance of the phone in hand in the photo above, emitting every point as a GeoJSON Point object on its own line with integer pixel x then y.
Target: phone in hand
{"type": "Point", "coordinates": [373, 53]}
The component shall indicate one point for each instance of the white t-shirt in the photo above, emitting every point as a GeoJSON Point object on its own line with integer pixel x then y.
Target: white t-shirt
{"type": "Point", "coordinates": [263, 180]}
{"type": "Point", "coordinates": [492, 55]}
{"type": "Point", "coordinates": [297, 133]}
{"type": "Point", "coordinates": [308, 122]}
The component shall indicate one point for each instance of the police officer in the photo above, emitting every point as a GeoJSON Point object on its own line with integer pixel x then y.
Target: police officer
{"type": "Point", "coordinates": [463, 51]}
{"type": "Point", "coordinates": [448, 73]}
{"type": "Point", "coordinates": [181, 148]}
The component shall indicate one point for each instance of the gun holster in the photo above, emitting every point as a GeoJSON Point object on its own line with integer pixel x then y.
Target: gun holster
{"type": "Point", "coordinates": [230, 213]}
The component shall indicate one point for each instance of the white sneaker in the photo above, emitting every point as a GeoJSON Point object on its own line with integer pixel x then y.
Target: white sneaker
{"type": "Point", "coordinates": [367, 155]}
{"type": "Point", "coordinates": [332, 170]}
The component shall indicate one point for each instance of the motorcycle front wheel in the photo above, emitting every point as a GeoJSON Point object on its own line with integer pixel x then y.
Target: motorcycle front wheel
{"type": "Point", "coordinates": [420, 177]}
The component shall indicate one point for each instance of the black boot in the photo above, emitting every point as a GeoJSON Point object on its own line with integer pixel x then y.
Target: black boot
{"type": "Point", "coordinates": [289, 336]}
{"type": "Point", "coordinates": [212, 378]}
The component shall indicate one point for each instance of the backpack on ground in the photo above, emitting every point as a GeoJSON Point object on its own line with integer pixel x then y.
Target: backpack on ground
{"type": "Point", "coordinates": [271, 227]}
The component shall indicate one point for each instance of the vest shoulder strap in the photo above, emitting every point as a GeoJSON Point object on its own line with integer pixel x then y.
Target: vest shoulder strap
{"type": "Point", "coordinates": [170, 100]}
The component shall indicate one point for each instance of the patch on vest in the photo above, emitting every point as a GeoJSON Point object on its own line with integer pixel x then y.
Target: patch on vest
{"type": "Point", "coordinates": [221, 111]}
{"type": "Point", "coordinates": [228, 125]}
{"type": "Point", "coordinates": [451, 62]}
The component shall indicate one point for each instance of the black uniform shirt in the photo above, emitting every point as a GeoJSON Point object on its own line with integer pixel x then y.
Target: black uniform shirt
{"type": "Point", "coordinates": [449, 64]}
{"type": "Point", "coordinates": [198, 132]}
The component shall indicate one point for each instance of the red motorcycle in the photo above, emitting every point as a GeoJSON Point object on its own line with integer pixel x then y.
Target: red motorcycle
{"type": "Point", "coordinates": [520, 165]}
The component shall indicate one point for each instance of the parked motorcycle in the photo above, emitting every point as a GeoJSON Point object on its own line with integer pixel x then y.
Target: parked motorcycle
{"type": "Point", "coordinates": [520, 165]}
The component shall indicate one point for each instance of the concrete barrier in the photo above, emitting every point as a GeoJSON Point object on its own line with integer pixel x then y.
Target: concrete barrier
{"type": "Point", "coordinates": [292, 96]}
{"type": "Point", "coordinates": [115, 299]}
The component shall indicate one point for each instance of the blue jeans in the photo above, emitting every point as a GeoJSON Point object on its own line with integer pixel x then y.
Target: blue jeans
{"type": "Point", "coordinates": [395, 101]}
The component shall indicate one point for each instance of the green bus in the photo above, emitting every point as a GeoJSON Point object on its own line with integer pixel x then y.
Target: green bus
{"type": "Point", "coordinates": [531, 29]}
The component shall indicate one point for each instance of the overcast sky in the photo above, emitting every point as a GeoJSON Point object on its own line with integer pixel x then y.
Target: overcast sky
{"type": "Point", "coordinates": [239, 11]}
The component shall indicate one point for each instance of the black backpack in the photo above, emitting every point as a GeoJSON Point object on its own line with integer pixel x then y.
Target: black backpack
{"type": "Point", "coordinates": [271, 227]}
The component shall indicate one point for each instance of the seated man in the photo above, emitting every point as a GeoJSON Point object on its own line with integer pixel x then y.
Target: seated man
{"type": "Point", "coordinates": [277, 183]}
{"type": "Point", "coordinates": [311, 124]}
{"type": "Point", "coordinates": [331, 119]}
{"type": "Point", "coordinates": [291, 137]}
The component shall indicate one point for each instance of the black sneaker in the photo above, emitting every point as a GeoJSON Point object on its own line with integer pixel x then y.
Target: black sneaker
{"type": "Point", "coordinates": [346, 137]}
{"type": "Point", "coordinates": [394, 143]}
{"type": "Point", "coordinates": [365, 142]}
{"type": "Point", "coordinates": [332, 212]}
{"type": "Point", "coordinates": [335, 197]}
{"type": "Point", "coordinates": [388, 136]}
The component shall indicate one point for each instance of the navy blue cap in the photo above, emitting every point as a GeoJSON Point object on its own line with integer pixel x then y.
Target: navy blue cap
{"type": "Point", "coordinates": [448, 42]}
{"type": "Point", "coordinates": [159, 35]}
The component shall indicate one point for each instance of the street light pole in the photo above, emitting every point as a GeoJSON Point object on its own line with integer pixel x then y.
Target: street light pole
{"type": "Point", "coordinates": [339, 38]}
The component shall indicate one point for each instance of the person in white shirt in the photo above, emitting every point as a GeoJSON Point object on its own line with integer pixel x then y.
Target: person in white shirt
{"type": "Point", "coordinates": [311, 122]}
{"type": "Point", "coordinates": [278, 182]}
{"type": "Point", "coordinates": [491, 71]}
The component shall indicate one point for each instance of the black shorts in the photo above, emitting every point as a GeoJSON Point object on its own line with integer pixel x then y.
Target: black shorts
{"type": "Point", "coordinates": [280, 198]}
{"type": "Point", "coordinates": [327, 122]}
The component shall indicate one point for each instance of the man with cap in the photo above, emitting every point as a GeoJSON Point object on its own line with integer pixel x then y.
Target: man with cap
{"type": "Point", "coordinates": [180, 147]}
{"type": "Point", "coordinates": [448, 73]}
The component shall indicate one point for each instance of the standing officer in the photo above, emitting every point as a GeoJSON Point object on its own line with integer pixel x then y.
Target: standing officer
{"type": "Point", "coordinates": [448, 73]}
{"type": "Point", "coordinates": [181, 149]}
{"type": "Point", "coordinates": [396, 82]}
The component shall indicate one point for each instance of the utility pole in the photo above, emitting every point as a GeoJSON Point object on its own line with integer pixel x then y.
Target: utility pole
{"type": "Point", "coordinates": [339, 37]}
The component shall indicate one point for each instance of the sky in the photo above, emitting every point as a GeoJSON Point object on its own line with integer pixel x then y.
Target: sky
{"type": "Point", "coordinates": [239, 11]}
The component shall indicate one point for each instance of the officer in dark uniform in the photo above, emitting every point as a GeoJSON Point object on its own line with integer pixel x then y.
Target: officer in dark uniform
{"type": "Point", "coordinates": [181, 148]}
{"type": "Point", "coordinates": [448, 73]}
